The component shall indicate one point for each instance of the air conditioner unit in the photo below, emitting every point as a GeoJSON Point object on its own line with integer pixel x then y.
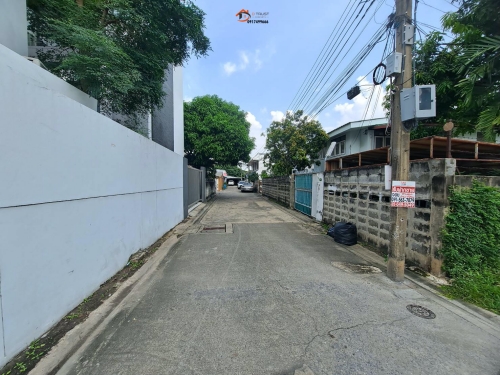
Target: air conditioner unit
{"type": "Point", "coordinates": [393, 64]}
{"type": "Point", "coordinates": [418, 102]}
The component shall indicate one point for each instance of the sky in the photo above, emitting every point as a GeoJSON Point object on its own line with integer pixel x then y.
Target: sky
{"type": "Point", "coordinates": [260, 67]}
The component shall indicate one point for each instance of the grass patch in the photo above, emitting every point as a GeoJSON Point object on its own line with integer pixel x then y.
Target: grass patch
{"type": "Point", "coordinates": [471, 245]}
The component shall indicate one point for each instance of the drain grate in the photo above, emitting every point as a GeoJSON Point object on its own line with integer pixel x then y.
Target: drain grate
{"type": "Point", "coordinates": [213, 228]}
{"type": "Point", "coordinates": [421, 312]}
{"type": "Point", "coordinates": [356, 268]}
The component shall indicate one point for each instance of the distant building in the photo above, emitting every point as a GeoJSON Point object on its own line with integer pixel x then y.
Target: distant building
{"type": "Point", "coordinates": [256, 164]}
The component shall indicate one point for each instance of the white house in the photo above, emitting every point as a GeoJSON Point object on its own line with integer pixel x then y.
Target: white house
{"type": "Point", "coordinates": [256, 164]}
{"type": "Point", "coordinates": [360, 136]}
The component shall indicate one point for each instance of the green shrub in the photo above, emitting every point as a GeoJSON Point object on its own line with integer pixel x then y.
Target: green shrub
{"type": "Point", "coordinates": [471, 245]}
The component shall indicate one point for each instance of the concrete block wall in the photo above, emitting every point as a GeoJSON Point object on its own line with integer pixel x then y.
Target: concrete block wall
{"type": "Point", "coordinates": [277, 188]}
{"type": "Point", "coordinates": [210, 189]}
{"type": "Point", "coordinates": [358, 195]}
{"type": "Point", "coordinates": [80, 193]}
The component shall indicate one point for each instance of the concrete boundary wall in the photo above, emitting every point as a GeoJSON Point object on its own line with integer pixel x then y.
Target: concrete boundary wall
{"type": "Point", "coordinates": [358, 195]}
{"type": "Point", "coordinates": [79, 194]}
{"type": "Point", "coordinates": [277, 188]}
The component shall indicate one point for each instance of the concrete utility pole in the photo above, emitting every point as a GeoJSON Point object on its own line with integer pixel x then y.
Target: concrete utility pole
{"type": "Point", "coordinates": [400, 144]}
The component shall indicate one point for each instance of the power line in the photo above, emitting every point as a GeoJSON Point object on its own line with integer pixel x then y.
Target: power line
{"type": "Point", "coordinates": [314, 96]}
{"type": "Point", "coordinates": [433, 7]}
{"type": "Point", "coordinates": [317, 58]}
{"type": "Point", "coordinates": [333, 48]}
{"type": "Point", "coordinates": [347, 73]}
{"type": "Point", "coordinates": [338, 97]}
{"type": "Point", "coordinates": [451, 3]}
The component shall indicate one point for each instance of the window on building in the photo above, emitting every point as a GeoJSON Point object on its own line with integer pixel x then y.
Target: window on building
{"type": "Point", "coordinates": [382, 142]}
{"type": "Point", "coordinates": [339, 148]}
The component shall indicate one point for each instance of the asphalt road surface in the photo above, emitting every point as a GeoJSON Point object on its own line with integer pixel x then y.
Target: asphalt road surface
{"type": "Point", "coordinates": [267, 299]}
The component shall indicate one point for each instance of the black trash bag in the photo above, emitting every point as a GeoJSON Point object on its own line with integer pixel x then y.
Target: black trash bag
{"type": "Point", "coordinates": [330, 231]}
{"type": "Point", "coordinates": [345, 234]}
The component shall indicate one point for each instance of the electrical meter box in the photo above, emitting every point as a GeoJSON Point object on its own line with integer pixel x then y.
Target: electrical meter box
{"type": "Point", "coordinates": [408, 34]}
{"type": "Point", "coordinates": [418, 102]}
{"type": "Point", "coordinates": [393, 64]}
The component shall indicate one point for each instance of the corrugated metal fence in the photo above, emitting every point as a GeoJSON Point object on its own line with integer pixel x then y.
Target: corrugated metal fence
{"type": "Point", "coordinates": [195, 187]}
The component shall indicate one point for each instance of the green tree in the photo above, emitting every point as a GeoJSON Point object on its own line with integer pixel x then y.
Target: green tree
{"type": "Point", "coordinates": [117, 50]}
{"type": "Point", "coordinates": [476, 26]}
{"type": "Point", "coordinates": [253, 176]}
{"type": "Point", "coordinates": [293, 142]}
{"type": "Point", "coordinates": [232, 170]}
{"type": "Point", "coordinates": [466, 71]}
{"type": "Point", "coordinates": [436, 63]}
{"type": "Point", "coordinates": [215, 132]}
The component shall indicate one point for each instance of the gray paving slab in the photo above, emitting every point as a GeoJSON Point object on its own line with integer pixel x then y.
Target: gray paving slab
{"type": "Point", "coordinates": [266, 299]}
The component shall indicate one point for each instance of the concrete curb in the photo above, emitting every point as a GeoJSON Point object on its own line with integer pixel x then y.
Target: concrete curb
{"type": "Point", "coordinates": [75, 339]}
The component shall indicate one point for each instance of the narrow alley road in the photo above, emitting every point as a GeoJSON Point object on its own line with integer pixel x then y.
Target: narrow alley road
{"type": "Point", "coordinates": [266, 299]}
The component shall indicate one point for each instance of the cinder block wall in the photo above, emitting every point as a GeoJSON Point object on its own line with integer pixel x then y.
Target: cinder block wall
{"type": "Point", "coordinates": [277, 188]}
{"type": "Point", "coordinates": [358, 195]}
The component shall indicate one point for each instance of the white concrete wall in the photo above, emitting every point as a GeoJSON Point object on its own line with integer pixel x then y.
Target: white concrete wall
{"type": "Point", "coordinates": [79, 194]}
{"type": "Point", "coordinates": [43, 79]}
{"type": "Point", "coordinates": [178, 111]}
{"type": "Point", "coordinates": [14, 26]}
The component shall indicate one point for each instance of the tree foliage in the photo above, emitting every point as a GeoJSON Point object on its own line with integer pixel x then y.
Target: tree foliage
{"type": "Point", "coordinates": [253, 176]}
{"type": "Point", "coordinates": [117, 50]}
{"type": "Point", "coordinates": [215, 132]}
{"type": "Point", "coordinates": [294, 142]}
{"type": "Point", "coordinates": [466, 71]}
{"type": "Point", "coordinates": [471, 245]}
{"type": "Point", "coordinates": [476, 26]}
{"type": "Point", "coordinates": [232, 170]}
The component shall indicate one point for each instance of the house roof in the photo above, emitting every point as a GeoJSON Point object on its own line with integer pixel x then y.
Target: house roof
{"type": "Point", "coordinates": [358, 124]}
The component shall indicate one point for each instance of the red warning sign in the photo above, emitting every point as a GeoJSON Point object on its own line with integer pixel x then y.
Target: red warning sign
{"type": "Point", "coordinates": [403, 194]}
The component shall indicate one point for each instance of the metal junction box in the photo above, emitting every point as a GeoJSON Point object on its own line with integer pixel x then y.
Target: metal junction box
{"type": "Point", "coordinates": [393, 64]}
{"type": "Point", "coordinates": [418, 102]}
{"type": "Point", "coordinates": [408, 34]}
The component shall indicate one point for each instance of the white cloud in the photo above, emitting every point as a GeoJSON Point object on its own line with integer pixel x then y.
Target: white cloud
{"type": "Point", "coordinates": [247, 60]}
{"type": "Point", "coordinates": [229, 68]}
{"type": "Point", "coordinates": [188, 100]}
{"type": "Point", "coordinates": [244, 60]}
{"type": "Point", "coordinates": [255, 131]}
{"type": "Point", "coordinates": [277, 115]}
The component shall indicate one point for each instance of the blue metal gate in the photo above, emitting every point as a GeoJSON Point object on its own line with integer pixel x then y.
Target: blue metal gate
{"type": "Point", "coordinates": [303, 193]}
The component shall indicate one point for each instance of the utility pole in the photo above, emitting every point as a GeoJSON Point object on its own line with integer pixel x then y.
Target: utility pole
{"type": "Point", "coordinates": [400, 145]}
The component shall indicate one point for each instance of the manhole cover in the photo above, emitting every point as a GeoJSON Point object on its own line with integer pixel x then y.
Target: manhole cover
{"type": "Point", "coordinates": [421, 312]}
